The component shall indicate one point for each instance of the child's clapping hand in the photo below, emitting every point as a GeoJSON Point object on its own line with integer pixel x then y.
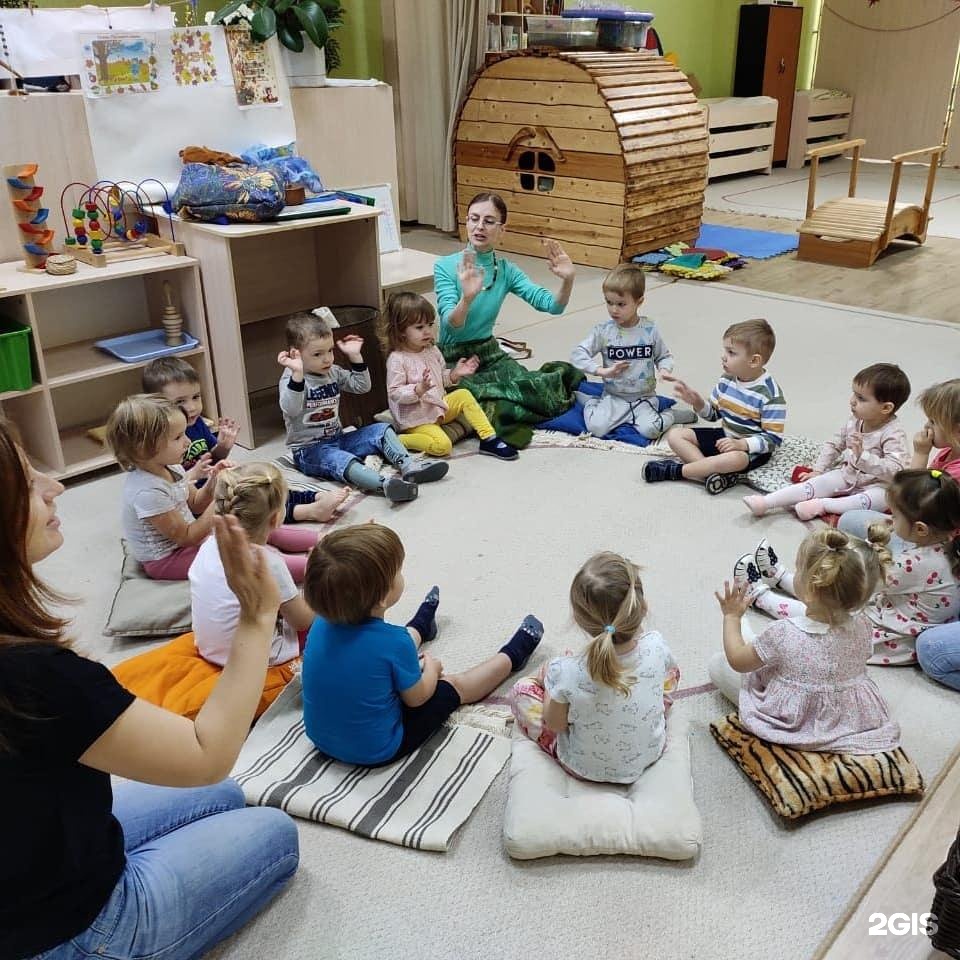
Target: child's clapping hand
{"type": "Point", "coordinates": [426, 383]}
{"type": "Point", "coordinates": [227, 431]}
{"type": "Point", "coordinates": [465, 367]}
{"type": "Point", "coordinates": [292, 360]}
{"type": "Point", "coordinates": [855, 443]}
{"type": "Point", "coordinates": [734, 602]}
{"type": "Point", "coordinates": [923, 441]}
{"type": "Point", "coordinates": [684, 392]}
{"type": "Point", "coordinates": [352, 345]}
{"type": "Point", "coordinates": [608, 373]}
{"type": "Point", "coordinates": [200, 470]}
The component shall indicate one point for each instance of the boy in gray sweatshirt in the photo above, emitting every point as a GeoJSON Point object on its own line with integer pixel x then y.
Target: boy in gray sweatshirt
{"type": "Point", "coordinates": [310, 388]}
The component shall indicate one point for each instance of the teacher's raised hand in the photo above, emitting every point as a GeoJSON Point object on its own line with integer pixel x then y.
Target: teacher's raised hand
{"type": "Point", "coordinates": [560, 263]}
{"type": "Point", "coordinates": [469, 275]}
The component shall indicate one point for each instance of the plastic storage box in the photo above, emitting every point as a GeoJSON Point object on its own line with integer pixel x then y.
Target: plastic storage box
{"type": "Point", "coordinates": [566, 33]}
{"type": "Point", "coordinates": [15, 369]}
{"type": "Point", "coordinates": [617, 29]}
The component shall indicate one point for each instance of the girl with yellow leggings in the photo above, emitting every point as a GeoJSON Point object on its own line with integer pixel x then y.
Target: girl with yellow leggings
{"type": "Point", "coordinates": [418, 378]}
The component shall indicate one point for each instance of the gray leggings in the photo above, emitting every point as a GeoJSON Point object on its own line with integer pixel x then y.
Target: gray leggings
{"type": "Point", "coordinates": [605, 413]}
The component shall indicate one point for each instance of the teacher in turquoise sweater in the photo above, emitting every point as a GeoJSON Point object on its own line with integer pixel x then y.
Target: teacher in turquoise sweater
{"type": "Point", "coordinates": [471, 287]}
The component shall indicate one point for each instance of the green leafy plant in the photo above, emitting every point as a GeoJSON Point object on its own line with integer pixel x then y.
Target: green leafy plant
{"type": "Point", "coordinates": [290, 20]}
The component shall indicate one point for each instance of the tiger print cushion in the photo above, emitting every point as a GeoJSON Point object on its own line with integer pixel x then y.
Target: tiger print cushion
{"type": "Point", "coordinates": [797, 782]}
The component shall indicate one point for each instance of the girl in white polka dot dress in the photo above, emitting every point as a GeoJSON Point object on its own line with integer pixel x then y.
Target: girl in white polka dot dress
{"type": "Point", "coordinates": [921, 588]}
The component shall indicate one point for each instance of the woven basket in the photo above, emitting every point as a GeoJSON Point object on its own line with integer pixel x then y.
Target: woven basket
{"type": "Point", "coordinates": [60, 265]}
{"type": "Point", "coordinates": [946, 903]}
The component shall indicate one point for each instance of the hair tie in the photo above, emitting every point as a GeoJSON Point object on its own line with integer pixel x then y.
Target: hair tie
{"type": "Point", "coordinates": [936, 474]}
{"type": "Point", "coordinates": [610, 628]}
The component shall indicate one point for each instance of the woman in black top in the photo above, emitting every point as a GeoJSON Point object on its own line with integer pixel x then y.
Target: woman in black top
{"type": "Point", "coordinates": [158, 871]}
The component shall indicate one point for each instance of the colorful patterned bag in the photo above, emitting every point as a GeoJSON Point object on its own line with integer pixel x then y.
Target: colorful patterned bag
{"type": "Point", "coordinates": [239, 192]}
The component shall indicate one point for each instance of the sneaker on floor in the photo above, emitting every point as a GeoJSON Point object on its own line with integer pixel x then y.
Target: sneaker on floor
{"type": "Point", "coordinates": [768, 563]}
{"type": "Point", "coordinates": [745, 573]}
{"type": "Point", "coordinates": [424, 471]}
{"type": "Point", "coordinates": [399, 491]}
{"type": "Point", "coordinates": [495, 447]}
{"type": "Point", "coordinates": [718, 482]}
{"type": "Point", "coordinates": [656, 470]}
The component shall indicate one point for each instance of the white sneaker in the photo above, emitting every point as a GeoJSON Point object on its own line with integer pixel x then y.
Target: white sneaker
{"type": "Point", "coordinates": [745, 573]}
{"type": "Point", "coordinates": [768, 563]}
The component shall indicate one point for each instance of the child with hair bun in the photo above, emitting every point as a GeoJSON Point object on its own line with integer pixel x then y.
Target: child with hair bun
{"type": "Point", "coordinates": [255, 494]}
{"type": "Point", "coordinates": [920, 589]}
{"type": "Point", "coordinates": [602, 714]}
{"type": "Point", "coordinates": [803, 681]}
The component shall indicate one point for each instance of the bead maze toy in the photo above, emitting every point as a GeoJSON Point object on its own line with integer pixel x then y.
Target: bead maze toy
{"type": "Point", "coordinates": [112, 221]}
{"type": "Point", "coordinates": [31, 218]}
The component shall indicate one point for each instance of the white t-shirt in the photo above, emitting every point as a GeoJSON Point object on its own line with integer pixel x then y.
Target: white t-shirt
{"type": "Point", "coordinates": [216, 610]}
{"type": "Point", "coordinates": [147, 495]}
{"type": "Point", "coordinates": [612, 738]}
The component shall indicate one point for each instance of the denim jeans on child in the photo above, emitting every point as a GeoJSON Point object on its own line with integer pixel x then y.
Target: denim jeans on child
{"type": "Point", "coordinates": [329, 459]}
{"type": "Point", "coordinates": [199, 866]}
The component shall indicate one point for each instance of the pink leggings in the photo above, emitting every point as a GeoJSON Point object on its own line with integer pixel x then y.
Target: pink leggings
{"type": "Point", "coordinates": [293, 542]}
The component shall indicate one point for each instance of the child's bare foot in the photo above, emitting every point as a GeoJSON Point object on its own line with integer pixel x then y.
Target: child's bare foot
{"type": "Point", "coordinates": [326, 504]}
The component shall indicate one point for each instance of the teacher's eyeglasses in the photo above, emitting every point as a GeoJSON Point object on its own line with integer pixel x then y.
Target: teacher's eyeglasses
{"type": "Point", "coordinates": [488, 222]}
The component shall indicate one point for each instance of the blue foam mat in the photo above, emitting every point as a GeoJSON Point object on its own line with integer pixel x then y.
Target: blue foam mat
{"type": "Point", "coordinates": [755, 244]}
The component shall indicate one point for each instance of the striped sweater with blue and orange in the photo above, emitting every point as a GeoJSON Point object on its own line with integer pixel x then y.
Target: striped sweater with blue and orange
{"type": "Point", "coordinates": [754, 411]}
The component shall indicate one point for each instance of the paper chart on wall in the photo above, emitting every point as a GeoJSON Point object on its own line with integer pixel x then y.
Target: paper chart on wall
{"type": "Point", "coordinates": [138, 136]}
{"type": "Point", "coordinates": [43, 43]}
{"type": "Point", "coordinates": [388, 235]}
{"type": "Point", "coordinates": [116, 63]}
{"type": "Point", "coordinates": [253, 68]}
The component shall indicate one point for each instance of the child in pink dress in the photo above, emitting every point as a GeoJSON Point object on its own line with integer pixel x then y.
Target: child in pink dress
{"type": "Point", "coordinates": [417, 380]}
{"type": "Point", "coordinates": [804, 679]}
{"type": "Point", "coordinates": [853, 467]}
{"type": "Point", "coordinates": [920, 589]}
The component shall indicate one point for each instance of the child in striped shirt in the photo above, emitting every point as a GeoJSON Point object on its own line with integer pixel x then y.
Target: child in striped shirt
{"type": "Point", "coordinates": [747, 401]}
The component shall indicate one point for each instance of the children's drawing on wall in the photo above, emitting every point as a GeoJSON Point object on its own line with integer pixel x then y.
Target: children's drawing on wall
{"type": "Point", "coordinates": [254, 73]}
{"type": "Point", "coordinates": [192, 57]}
{"type": "Point", "coordinates": [119, 63]}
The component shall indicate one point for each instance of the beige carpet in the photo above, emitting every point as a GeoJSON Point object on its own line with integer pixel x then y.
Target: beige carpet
{"type": "Point", "coordinates": [505, 539]}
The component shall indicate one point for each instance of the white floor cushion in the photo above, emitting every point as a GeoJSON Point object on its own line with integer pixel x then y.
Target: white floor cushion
{"type": "Point", "coordinates": [550, 812]}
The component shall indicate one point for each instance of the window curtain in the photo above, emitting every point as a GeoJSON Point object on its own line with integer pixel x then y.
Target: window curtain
{"type": "Point", "coordinates": [897, 58]}
{"type": "Point", "coordinates": [432, 48]}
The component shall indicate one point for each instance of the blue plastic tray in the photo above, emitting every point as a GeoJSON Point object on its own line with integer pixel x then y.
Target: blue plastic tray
{"type": "Point", "coordinates": [145, 345]}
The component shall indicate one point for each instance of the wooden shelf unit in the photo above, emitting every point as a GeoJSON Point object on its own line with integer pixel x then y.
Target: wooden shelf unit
{"type": "Point", "coordinates": [742, 134]}
{"type": "Point", "coordinates": [819, 118]}
{"type": "Point", "coordinates": [76, 386]}
{"type": "Point", "coordinates": [512, 14]}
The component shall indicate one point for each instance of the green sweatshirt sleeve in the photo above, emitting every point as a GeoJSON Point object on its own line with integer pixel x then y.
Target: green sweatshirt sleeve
{"type": "Point", "coordinates": [540, 298]}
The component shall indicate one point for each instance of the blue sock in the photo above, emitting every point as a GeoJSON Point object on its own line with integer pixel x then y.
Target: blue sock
{"type": "Point", "coordinates": [425, 619]}
{"type": "Point", "coordinates": [524, 641]}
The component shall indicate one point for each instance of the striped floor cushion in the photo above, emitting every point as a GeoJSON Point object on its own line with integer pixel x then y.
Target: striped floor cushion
{"type": "Point", "coordinates": [797, 782]}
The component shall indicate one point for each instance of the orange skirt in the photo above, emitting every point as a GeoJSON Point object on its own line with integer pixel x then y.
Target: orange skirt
{"type": "Point", "coordinates": [177, 678]}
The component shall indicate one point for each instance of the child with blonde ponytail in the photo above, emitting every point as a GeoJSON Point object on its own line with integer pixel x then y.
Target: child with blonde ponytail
{"type": "Point", "coordinates": [602, 714]}
{"type": "Point", "coordinates": [803, 681]}
{"type": "Point", "coordinates": [255, 494]}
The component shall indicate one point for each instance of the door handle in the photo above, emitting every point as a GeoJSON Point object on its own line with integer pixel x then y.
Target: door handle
{"type": "Point", "coordinates": [782, 68]}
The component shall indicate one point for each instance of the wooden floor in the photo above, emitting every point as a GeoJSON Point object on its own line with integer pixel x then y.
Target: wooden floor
{"type": "Point", "coordinates": [921, 281]}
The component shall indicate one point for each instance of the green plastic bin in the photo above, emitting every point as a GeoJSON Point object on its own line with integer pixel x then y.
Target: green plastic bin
{"type": "Point", "coordinates": [15, 372]}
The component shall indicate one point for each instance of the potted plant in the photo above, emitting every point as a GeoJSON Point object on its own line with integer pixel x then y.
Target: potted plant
{"type": "Point", "coordinates": [303, 28]}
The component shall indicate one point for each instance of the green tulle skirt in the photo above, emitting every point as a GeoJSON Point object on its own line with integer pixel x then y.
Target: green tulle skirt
{"type": "Point", "coordinates": [514, 398]}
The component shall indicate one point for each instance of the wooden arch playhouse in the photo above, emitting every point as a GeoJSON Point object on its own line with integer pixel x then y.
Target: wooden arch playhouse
{"type": "Point", "coordinates": [605, 152]}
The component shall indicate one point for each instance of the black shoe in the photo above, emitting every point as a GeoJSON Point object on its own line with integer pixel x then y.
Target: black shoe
{"type": "Point", "coordinates": [399, 491]}
{"type": "Point", "coordinates": [718, 482]}
{"type": "Point", "coordinates": [495, 447]}
{"type": "Point", "coordinates": [656, 470]}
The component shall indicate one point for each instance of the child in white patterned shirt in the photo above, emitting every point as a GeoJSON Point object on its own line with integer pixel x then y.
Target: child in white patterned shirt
{"type": "Point", "coordinates": [853, 467]}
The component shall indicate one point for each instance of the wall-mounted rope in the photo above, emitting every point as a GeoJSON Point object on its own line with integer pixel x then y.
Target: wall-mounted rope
{"type": "Point", "coordinates": [861, 26]}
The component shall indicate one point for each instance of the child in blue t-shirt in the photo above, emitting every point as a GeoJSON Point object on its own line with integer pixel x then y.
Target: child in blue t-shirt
{"type": "Point", "coordinates": [180, 383]}
{"type": "Point", "coordinates": [369, 696]}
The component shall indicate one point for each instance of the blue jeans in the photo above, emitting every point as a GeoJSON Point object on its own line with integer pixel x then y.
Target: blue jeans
{"type": "Point", "coordinates": [938, 653]}
{"type": "Point", "coordinates": [857, 522]}
{"type": "Point", "coordinates": [329, 459]}
{"type": "Point", "coordinates": [199, 866]}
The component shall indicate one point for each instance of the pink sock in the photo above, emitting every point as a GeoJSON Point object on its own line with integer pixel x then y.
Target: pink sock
{"type": "Point", "coordinates": [757, 504]}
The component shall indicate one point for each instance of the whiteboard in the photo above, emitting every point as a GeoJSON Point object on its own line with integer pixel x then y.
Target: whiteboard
{"type": "Point", "coordinates": [388, 231]}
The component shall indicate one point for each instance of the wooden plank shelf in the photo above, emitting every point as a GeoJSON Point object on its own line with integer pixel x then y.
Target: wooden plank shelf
{"type": "Point", "coordinates": [820, 117]}
{"type": "Point", "coordinates": [76, 362]}
{"type": "Point", "coordinates": [742, 131]}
